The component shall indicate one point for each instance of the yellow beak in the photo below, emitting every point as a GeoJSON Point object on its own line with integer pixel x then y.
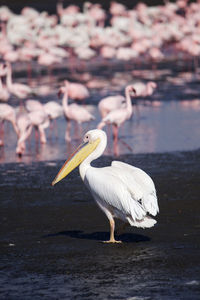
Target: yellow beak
{"type": "Point", "coordinates": [76, 158]}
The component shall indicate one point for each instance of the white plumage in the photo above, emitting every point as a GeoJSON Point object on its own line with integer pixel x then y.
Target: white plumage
{"type": "Point", "coordinates": [122, 191]}
{"type": "Point", "coordinates": [125, 192]}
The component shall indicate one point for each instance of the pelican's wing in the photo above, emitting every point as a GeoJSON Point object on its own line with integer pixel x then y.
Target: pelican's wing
{"type": "Point", "coordinates": [135, 177]}
{"type": "Point", "coordinates": [108, 189]}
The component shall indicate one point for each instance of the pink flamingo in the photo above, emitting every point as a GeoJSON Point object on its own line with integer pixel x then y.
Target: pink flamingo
{"type": "Point", "coordinates": [96, 12]}
{"type": "Point", "coordinates": [28, 53]}
{"type": "Point", "coordinates": [71, 9]}
{"type": "Point", "coordinates": [108, 104]}
{"type": "Point", "coordinates": [54, 111]}
{"type": "Point", "coordinates": [25, 124]}
{"type": "Point", "coordinates": [73, 112]}
{"type": "Point", "coordinates": [48, 59]}
{"type": "Point", "coordinates": [24, 128]}
{"type": "Point", "coordinates": [107, 52]}
{"type": "Point", "coordinates": [40, 121]}
{"type": "Point", "coordinates": [7, 113]}
{"type": "Point", "coordinates": [43, 90]}
{"type": "Point", "coordinates": [11, 56]}
{"type": "Point", "coordinates": [156, 54]}
{"type": "Point", "coordinates": [118, 116]}
{"type": "Point", "coordinates": [117, 9]}
{"type": "Point", "coordinates": [21, 91]}
{"type": "Point", "coordinates": [4, 93]}
{"type": "Point", "coordinates": [33, 105]}
{"type": "Point", "coordinates": [51, 108]}
{"type": "Point", "coordinates": [76, 91]}
{"type": "Point", "coordinates": [144, 90]}
{"type": "Point", "coordinates": [3, 70]}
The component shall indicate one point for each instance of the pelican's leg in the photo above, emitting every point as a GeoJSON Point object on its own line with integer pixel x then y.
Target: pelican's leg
{"type": "Point", "coordinates": [112, 231]}
{"type": "Point", "coordinates": [112, 223]}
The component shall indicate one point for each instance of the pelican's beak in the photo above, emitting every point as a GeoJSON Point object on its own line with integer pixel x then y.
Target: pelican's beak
{"type": "Point", "coordinates": [76, 158]}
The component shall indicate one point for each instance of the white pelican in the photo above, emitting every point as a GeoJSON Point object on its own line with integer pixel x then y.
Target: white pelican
{"type": "Point", "coordinates": [121, 190]}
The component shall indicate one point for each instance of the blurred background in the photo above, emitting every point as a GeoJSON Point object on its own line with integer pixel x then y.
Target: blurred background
{"type": "Point", "coordinates": [60, 56]}
{"type": "Point", "coordinates": [51, 6]}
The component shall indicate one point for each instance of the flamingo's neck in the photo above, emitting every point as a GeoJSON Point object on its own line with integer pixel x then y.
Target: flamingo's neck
{"type": "Point", "coordinates": [24, 135]}
{"type": "Point", "coordinates": [1, 84]}
{"type": "Point", "coordinates": [65, 101]}
{"type": "Point", "coordinates": [59, 8]}
{"type": "Point", "coordinates": [128, 102]}
{"type": "Point", "coordinates": [149, 89]}
{"type": "Point", "coordinates": [9, 78]}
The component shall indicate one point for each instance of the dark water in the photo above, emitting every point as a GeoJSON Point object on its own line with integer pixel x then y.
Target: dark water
{"type": "Point", "coordinates": [51, 237]}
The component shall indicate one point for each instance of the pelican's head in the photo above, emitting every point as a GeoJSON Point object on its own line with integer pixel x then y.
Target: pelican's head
{"type": "Point", "coordinates": [94, 143]}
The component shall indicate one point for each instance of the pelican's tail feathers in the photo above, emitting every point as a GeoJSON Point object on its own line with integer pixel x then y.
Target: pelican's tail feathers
{"type": "Point", "coordinates": [150, 204]}
{"type": "Point", "coordinates": [146, 222]}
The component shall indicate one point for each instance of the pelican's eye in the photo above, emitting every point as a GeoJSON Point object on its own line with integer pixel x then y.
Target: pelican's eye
{"type": "Point", "coordinates": [86, 138]}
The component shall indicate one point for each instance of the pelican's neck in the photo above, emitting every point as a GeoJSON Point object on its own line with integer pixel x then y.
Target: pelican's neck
{"type": "Point", "coordinates": [128, 102]}
{"type": "Point", "coordinates": [85, 165]}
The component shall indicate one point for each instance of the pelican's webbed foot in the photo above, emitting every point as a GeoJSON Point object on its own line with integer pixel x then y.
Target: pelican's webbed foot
{"type": "Point", "coordinates": [112, 241]}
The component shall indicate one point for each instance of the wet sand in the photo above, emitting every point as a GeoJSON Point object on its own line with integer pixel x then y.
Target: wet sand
{"type": "Point", "coordinates": [50, 241]}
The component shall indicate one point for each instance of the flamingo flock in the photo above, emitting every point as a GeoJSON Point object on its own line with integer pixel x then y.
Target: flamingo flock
{"type": "Point", "coordinates": [75, 37]}
{"type": "Point", "coordinates": [142, 32]}
{"type": "Point", "coordinates": [32, 113]}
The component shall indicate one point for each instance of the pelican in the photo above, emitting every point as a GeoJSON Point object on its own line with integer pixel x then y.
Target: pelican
{"type": "Point", "coordinates": [122, 191]}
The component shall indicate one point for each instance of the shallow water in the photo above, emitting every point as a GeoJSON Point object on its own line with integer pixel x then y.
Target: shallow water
{"type": "Point", "coordinates": [166, 121]}
{"type": "Point", "coordinates": [172, 126]}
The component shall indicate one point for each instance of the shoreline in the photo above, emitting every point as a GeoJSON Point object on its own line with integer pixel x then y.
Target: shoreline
{"type": "Point", "coordinates": [51, 236]}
